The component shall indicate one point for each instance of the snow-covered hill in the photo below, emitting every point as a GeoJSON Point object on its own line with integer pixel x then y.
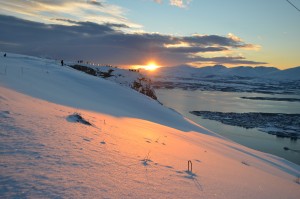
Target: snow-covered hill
{"type": "Point", "coordinates": [135, 147]}
{"type": "Point", "coordinates": [129, 78]}
{"type": "Point", "coordinates": [220, 71]}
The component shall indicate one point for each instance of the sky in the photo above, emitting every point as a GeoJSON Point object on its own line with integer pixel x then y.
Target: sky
{"type": "Point", "coordinates": [134, 33]}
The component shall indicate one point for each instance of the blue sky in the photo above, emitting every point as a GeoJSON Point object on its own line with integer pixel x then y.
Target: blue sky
{"type": "Point", "coordinates": [267, 31]}
{"type": "Point", "coordinates": [274, 25]}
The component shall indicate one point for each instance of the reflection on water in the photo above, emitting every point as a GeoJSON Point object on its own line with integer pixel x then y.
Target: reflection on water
{"type": "Point", "coordinates": [185, 101]}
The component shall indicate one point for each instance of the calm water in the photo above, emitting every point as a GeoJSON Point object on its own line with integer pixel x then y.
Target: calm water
{"type": "Point", "coordinates": [184, 101]}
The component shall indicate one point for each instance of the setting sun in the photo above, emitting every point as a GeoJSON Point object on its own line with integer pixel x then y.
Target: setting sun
{"type": "Point", "coordinates": [151, 66]}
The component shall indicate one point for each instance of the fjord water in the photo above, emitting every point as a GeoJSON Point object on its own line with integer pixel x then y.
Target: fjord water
{"type": "Point", "coordinates": [185, 101]}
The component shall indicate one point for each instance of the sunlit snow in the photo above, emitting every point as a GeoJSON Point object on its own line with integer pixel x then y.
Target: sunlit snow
{"type": "Point", "coordinates": [134, 147]}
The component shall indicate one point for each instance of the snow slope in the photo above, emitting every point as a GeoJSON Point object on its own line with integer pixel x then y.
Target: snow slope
{"type": "Point", "coordinates": [135, 148]}
{"type": "Point", "coordinates": [47, 80]}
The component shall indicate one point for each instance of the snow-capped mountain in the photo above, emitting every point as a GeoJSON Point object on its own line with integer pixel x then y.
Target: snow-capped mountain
{"type": "Point", "coordinates": [220, 71]}
{"type": "Point", "coordinates": [288, 74]}
{"type": "Point", "coordinates": [66, 134]}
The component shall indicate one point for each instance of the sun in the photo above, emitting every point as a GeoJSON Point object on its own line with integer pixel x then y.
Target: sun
{"type": "Point", "coordinates": [151, 66]}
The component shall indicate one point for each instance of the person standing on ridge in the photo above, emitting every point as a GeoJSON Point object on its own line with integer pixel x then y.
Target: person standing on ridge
{"type": "Point", "coordinates": [62, 62]}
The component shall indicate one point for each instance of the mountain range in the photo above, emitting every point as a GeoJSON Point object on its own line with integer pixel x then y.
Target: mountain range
{"type": "Point", "coordinates": [220, 71]}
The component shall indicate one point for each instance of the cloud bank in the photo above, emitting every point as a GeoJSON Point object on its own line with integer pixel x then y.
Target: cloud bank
{"type": "Point", "coordinates": [98, 11]}
{"type": "Point", "coordinates": [107, 43]}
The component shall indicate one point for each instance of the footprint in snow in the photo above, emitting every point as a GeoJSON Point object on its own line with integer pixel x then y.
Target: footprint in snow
{"type": "Point", "coordinates": [4, 114]}
{"type": "Point", "coordinates": [245, 163]}
{"type": "Point", "coordinates": [87, 139]}
{"type": "Point", "coordinates": [146, 162]}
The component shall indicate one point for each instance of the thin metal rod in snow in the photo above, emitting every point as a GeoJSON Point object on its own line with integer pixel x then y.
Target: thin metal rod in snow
{"type": "Point", "coordinates": [293, 5]}
{"type": "Point", "coordinates": [190, 165]}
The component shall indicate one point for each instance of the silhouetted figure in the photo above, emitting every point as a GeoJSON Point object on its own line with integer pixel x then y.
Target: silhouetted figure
{"type": "Point", "coordinates": [62, 62]}
{"type": "Point", "coordinates": [4, 55]}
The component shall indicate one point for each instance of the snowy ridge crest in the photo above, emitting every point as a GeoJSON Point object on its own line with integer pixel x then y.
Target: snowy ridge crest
{"type": "Point", "coordinates": [129, 78]}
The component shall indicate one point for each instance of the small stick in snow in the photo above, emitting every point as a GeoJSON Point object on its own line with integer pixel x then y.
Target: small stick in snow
{"type": "Point", "coordinates": [190, 164]}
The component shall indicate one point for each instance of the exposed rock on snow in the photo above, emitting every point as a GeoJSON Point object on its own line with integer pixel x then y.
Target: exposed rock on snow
{"type": "Point", "coordinates": [76, 117]}
{"type": "Point", "coordinates": [130, 78]}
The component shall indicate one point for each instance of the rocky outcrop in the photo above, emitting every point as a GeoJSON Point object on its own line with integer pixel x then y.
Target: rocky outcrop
{"type": "Point", "coordinates": [130, 78]}
{"type": "Point", "coordinates": [143, 85]}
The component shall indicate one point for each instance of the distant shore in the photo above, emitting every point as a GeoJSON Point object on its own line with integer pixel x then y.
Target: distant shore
{"type": "Point", "coordinates": [279, 124]}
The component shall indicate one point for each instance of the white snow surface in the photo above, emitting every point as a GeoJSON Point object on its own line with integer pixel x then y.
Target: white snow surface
{"type": "Point", "coordinates": [135, 148]}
